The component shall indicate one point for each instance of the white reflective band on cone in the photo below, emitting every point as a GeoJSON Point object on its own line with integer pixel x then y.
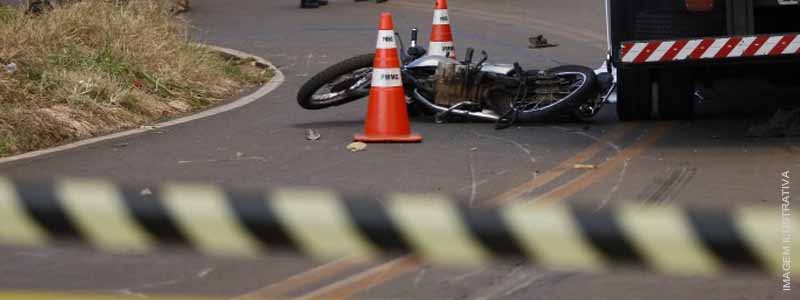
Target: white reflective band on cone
{"type": "Point", "coordinates": [386, 78]}
{"type": "Point", "coordinates": [386, 39]}
{"type": "Point", "coordinates": [442, 48]}
{"type": "Point", "coordinates": [441, 17]}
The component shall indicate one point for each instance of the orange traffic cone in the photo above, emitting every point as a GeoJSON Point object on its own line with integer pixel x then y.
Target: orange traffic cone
{"type": "Point", "coordinates": [387, 115]}
{"type": "Point", "coordinates": [442, 34]}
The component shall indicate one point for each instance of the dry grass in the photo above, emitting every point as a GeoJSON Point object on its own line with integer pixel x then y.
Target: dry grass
{"type": "Point", "coordinates": [97, 66]}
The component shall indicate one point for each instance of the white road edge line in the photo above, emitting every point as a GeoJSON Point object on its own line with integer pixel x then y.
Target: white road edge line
{"type": "Point", "coordinates": [267, 88]}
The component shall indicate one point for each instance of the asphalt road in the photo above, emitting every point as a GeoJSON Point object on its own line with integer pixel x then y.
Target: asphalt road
{"type": "Point", "coordinates": [709, 161]}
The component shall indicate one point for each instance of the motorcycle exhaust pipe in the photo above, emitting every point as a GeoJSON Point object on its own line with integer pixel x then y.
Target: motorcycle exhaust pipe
{"type": "Point", "coordinates": [454, 110]}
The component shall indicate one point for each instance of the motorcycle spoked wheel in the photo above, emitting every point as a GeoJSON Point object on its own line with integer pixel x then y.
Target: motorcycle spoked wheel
{"type": "Point", "coordinates": [571, 86]}
{"type": "Point", "coordinates": [339, 84]}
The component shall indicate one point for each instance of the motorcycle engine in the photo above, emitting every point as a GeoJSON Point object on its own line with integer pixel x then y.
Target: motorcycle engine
{"type": "Point", "coordinates": [453, 85]}
{"type": "Point", "coordinates": [458, 84]}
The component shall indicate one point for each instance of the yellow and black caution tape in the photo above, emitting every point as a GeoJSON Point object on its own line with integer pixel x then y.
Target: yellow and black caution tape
{"type": "Point", "coordinates": [323, 224]}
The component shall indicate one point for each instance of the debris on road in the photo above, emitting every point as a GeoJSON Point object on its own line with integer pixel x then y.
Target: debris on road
{"type": "Point", "coordinates": [180, 6]}
{"type": "Point", "coordinates": [538, 42]}
{"type": "Point", "coordinates": [146, 192]}
{"type": "Point", "coordinates": [239, 156]}
{"type": "Point", "coordinates": [783, 124]}
{"type": "Point", "coordinates": [357, 147]}
{"type": "Point", "coordinates": [313, 135]}
{"type": "Point", "coordinates": [585, 167]}
{"type": "Point", "coordinates": [11, 68]}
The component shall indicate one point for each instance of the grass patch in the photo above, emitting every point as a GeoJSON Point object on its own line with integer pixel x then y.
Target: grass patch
{"type": "Point", "coordinates": [100, 66]}
{"type": "Point", "coordinates": [7, 14]}
{"type": "Point", "coordinates": [5, 145]}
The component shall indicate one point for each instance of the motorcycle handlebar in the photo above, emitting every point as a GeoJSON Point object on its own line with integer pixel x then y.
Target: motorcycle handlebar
{"type": "Point", "coordinates": [468, 57]}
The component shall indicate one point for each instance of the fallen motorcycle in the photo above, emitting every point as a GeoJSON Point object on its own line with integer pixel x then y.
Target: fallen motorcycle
{"type": "Point", "coordinates": [444, 87]}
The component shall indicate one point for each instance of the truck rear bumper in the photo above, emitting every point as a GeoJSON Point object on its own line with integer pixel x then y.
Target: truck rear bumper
{"type": "Point", "coordinates": [711, 50]}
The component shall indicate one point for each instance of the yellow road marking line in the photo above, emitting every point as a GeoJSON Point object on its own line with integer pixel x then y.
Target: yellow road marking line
{"type": "Point", "coordinates": [317, 274]}
{"type": "Point", "coordinates": [362, 281]}
{"type": "Point", "coordinates": [587, 179]}
{"type": "Point", "coordinates": [561, 168]}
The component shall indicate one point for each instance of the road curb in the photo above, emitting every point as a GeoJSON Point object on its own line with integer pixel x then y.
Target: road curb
{"type": "Point", "coordinates": [264, 90]}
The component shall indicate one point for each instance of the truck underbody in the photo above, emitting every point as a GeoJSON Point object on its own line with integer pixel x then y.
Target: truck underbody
{"type": "Point", "coordinates": [667, 56]}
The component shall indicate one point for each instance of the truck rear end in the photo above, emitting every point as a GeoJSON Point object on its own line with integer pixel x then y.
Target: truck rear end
{"type": "Point", "coordinates": [667, 52]}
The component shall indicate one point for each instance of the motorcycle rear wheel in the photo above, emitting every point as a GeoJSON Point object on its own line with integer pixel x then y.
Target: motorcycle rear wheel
{"type": "Point", "coordinates": [339, 84]}
{"type": "Point", "coordinates": [584, 87]}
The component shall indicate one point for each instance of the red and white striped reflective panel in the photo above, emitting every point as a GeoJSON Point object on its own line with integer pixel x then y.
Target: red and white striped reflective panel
{"type": "Point", "coordinates": [710, 48]}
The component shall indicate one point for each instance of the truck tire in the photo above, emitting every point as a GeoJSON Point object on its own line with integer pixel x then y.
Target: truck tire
{"type": "Point", "coordinates": [634, 94]}
{"type": "Point", "coordinates": [670, 24]}
{"type": "Point", "coordinates": [676, 94]}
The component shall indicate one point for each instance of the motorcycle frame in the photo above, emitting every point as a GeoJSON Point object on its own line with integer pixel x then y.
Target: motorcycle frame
{"type": "Point", "coordinates": [432, 61]}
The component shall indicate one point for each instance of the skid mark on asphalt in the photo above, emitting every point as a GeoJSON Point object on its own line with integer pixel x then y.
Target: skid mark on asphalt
{"type": "Point", "coordinates": [464, 277]}
{"type": "Point", "coordinates": [666, 188]}
{"type": "Point", "coordinates": [400, 266]}
{"type": "Point", "coordinates": [603, 170]}
{"type": "Point", "coordinates": [474, 190]}
{"type": "Point", "coordinates": [562, 167]}
{"type": "Point", "coordinates": [389, 271]}
{"type": "Point", "coordinates": [513, 282]}
{"type": "Point", "coordinates": [610, 143]}
{"type": "Point", "coordinates": [520, 146]}
{"type": "Point", "coordinates": [420, 276]}
{"type": "Point", "coordinates": [614, 190]}
{"type": "Point", "coordinates": [482, 182]}
{"type": "Point", "coordinates": [239, 157]}
{"type": "Point", "coordinates": [204, 272]}
{"type": "Point", "coordinates": [135, 291]}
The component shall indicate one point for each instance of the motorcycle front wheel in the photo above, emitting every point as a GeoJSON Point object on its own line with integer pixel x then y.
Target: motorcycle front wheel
{"type": "Point", "coordinates": [339, 84]}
